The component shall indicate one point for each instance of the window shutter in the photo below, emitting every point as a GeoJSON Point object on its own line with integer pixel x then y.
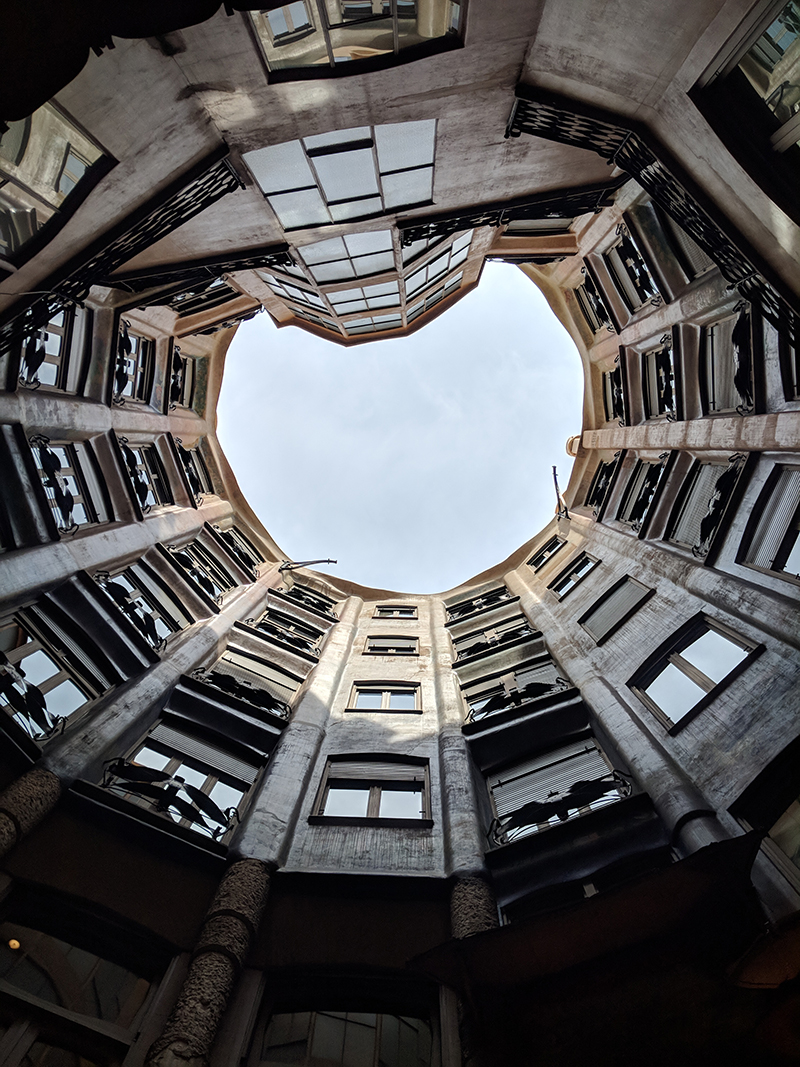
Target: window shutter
{"type": "Point", "coordinates": [376, 770]}
{"type": "Point", "coordinates": [262, 675]}
{"type": "Point", "coordinates": [775, 520]}
{"type": "Point", "coordinates": [608, 614]}
{"type": "Point", "coordinates": [543, 673]}
{"type": "Point", "coordinates": [215, 759]}
{"type": "Point", "coordinates": [694, 255]}
{"type": "Point", "coordinates": [721, 367]}
{"type": "Point", "coordinates": [554, 772]}
{"type": "Point", "coordinates": [695, 507]}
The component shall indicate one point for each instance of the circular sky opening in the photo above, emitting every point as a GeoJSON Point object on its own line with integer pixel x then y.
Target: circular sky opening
{"type": "Point", "coordinates": [415, 462]}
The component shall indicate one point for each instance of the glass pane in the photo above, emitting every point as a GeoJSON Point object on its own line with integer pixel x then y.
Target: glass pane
{"type": "Point", "coordinates": [279, 167]}
{"type": "Point", "coordinates": [714, 655]}
{"type": "Point", "coordinates": [226, 796]}
{"type": "Point", "coordinates": [345, 175]}
{"type": "Point", "coordinates": [324, 251]}
{"type": "Point", "coordinates": [403, 701]}
{"type": "Point", "coordinates": [674, 692]}
{"type": "Point", "coordinates": [304, 208]}
{"type": "Point", "coordinates": [38, 667]}
{"type": "Point", "coordinates": [369, 698]}
{"type": "Point", "coordinates": [333, 272]}
{"type": "Point", "coordinates": [148, 757]}
{"type": "Point", "coordinates": [792, 564]}
{"type": "Point", "coordinates": [323, 140]}
{"type": "Point", "coordinates": [401, 804]}
{"type": "Point", "coordinates": [361, 244]}
{"type": "Point", "coordinates": [408, 187]}
{"type": "Point", "coordinates": [405, 144]}
{"type": "Point", "coordinates": [356, 209]}
{"type": "Point", "coordinates": [375, 264]}
{"type": "Point", "coordinates": [383, 289]}
{"type": "Point", "coordinates": [351, 306]}
{"type": "Point", "coordinates": [347, 802]}
{"type": "Point", "coordinates": [277, 22]}
{"type": "Point", "coordinates": [64, 699]}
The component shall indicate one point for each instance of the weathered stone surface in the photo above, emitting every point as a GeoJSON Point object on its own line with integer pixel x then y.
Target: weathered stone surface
{"type": "Point", "coordinates": [472, 907]}
{"type": "Point", "coordinates": [25, 803]}
{"type": "Point", "coordinates": [221, 949]}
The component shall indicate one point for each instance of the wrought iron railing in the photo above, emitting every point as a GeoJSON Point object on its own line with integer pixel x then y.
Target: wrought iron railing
{"type": "Point", "coordinates": [55, 483]}
{"type": "Point", "coordinates": [487, 643]}
{"type": "Point", "coordinates": [504, 701]}
{"type": "Point", "coordinates": [135, 608]}
{"type": "Point", "coordinates": [26, 702]}
{"type": "Point", "coordinates": [252, 694]}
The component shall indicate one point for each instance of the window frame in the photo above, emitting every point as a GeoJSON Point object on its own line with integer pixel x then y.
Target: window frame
{"type": "Point", "coordinates": [382, 645]}
{"type": "Point", "coordinates": [653, 408]}
{"type": "Point", "coordinates": [670, 651]}
{"type": "Point", "coordinates": [81, 466]}
{"type": "Point", "coordinates": [393, 611]}
{"type": "Point", "coordinates": [548, 550]}
{"type": "Point", "coordinates": [566, 573]}
{"type": "Point", "coordinates": [635, 489]}
{"type": "Point", "coordinates": [765, 498]}
{"type": "Point", "coordinates": [621, 276]}
{"type": "Point", "coordinates": [387, 689]}
{"type": "Point", "coordinates": [419, 772]}
{"type": "Point", "coordinates": [140, 376]}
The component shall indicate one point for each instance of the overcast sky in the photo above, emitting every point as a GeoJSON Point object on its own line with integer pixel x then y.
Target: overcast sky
{"type": "Point", "coordinates": [416, 462]}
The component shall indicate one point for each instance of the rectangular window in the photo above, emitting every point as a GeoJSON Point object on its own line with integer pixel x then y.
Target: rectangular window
{"type": "Point", "coordinates": [135, 364]}
{"type": "Point", "coordinates": [395, 611]}
{"type": "Point", "coordinates": [445, 261]}
{"type": "Point", "coordinates": [38, 686]}
{"type": "Point", "coordinates": [689, 671]}
{"type": "Point", "coordinates": [512, 689]}
{"type": "Point", "coordinates": [312, 598]}
{"type": "Point", "coordinates": [727, 365]}
{"type": "Point", "coordinates": [567, 579]}
{"type": "Point", "coordinates": [182, 380]}
{"type": "Point", "coordinates": [290, 631]}
{"type": "Point", "coordinates": [493, 638]}
{"type": "Point", "coordinates": [53, 355]}
{"type": "Point", "coordinates": [688, 252]}
{"type": "Point", "coordinates": [703, 504]}
{"type": "Point", "coordinates": [146, 473]}
{"type": "Point", "coordinates": [451, 285]}
{"type": "Point", "coordinates": [789, 355]}
{"type": "Point", "coordinates": [195, 469]}
{"type": "Point", "coordinates": [185, 779]}
{"type": "Point", "coordinates": [386, 696]}
{"type": "Point", "coordinates": [253, 680]}
{"type": "Point", "coordinates": [392, 645]}
{"type": "Point", "coordinates": [204, 569]}
{"type": "Point", "coordinates": [640, 494]}
{"type": "Point", "coordinates": [151, 608]}
{"type": "Point", "coordinates": [491, 598]}
{"type": "Point", "coordinates": [550, 788]}
{"type": "Point", "coordinates": [71, 483]}
{"type": "Point", "coordinates": [614, 396]}
{"type": "Point", "coordinates": [592, 305]}
{"type": "Point", "coordinates": [658, 382]}
{"type": "Point", "coordinates": [614, 608]}
{"type": "Point", "coordinates": [629, 271]}
{"type": "Point", "coordinates": [774, 543]}
{"type": "Point", "coordinates": [601, 483]}
{"type": "Point", "coordinates": [365, 789]}
{"type": "Point", "coordinates": [347, 174]}
{"type": "Point", "coordinates": [368, 298]}
{"type": "Point", "coordinates": [541, 557]}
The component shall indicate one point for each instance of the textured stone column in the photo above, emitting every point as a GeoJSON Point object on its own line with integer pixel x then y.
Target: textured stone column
{"type": "Point", "coordinates": [25, 803]}
{"type": "Point", "coordinates": [473, 910]}
{"type": "Point", "coordinates": [227, 933]}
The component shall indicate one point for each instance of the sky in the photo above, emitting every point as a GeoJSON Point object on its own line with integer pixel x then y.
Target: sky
{"type": "Point", "coordinates": [415, 462]}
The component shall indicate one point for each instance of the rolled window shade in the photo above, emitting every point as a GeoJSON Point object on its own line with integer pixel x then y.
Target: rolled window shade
{"type": "Point", "coordinates": [775, 520]}
{"type": "Point", "coordinates": [611, 611]}
{"type": "Point", "coordinates": [215, 759]}
{"type": "Point", "coordinates": [538, 778]}
{"type": "Point", "coordinates": [376, 770]}
{"type": "Point", "coordinates": [696, 505]}
{"type": "Point", "coordinates": [261, 675]}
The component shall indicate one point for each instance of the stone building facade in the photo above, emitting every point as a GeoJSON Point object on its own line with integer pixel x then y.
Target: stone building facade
{"type": "Point", "coordinates": [254, 814]}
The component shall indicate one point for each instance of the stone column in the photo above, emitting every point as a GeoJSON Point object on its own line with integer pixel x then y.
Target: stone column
{"type": "Point", "coordinates": [25, 803]}
{"type": "Point", "coordinates": [230, 926]}
{"type": "Point", "coordinates": [473, 907]}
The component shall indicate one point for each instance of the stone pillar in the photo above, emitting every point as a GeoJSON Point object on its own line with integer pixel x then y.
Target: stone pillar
{"type": "Point", "coordinates": [473, 908]}
{"type": "Point", "coordinates": [25, 803]}
{"type": "Point", "coordinates": [228, 931]}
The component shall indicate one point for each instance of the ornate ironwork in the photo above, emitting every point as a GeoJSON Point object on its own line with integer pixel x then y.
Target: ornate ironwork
{"type": "Point", "coordinates": [233, 320]}
{"type": "Point", "coordinates": [163, 791]}
{"type": "Point", "coordinates": [27, 702]}
{"type": "Point", "coordinates": [259, 698]}
{"type": "Point", "coordinates": [517, 697]}
{"type": "Point", "coordinates": [721, 494]}
{"type": "Point", "coordinates": [141, 485]}
{"type": "Point", "coordinates": [210, 180]}
{"type": "Point", "coordinates": [478, 603]}
{"type": "Point", "coordinates": [556, 204]}
{"type": "Point", "coordinates": [186, 275]}
{"type": "Point", "coordinates": [54, 482]}
{"type": "Point", "coordinates": [190, 469]}
{"type": "Point", "coordinates": [601, 484]}
{"type": "Point", "coordinates": [494, 644]}
{"type": "Point", "coordinates": [33, 356]}
{"type": "Point", "coordinates": [135, 608]}
{"type": "Point", "coordinates": [634, 150]}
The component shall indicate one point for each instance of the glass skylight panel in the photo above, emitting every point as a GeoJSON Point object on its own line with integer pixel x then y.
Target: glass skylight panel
{"type": "Point", "coordinates": [325, 140]}
{"type": "Point", "coordinates": [362, 244]}
{"type": "Point", "coordinates": [280, 167]}
{"type": "Point", "coordinates": [300, 209]}
{"type": "Point", "coordinates": [324, 251]}
{"type": "Point", "coordinates": [405, 144]}
{"type": "Point", "coordinates": [407, 187]}
{"type": "Point", "coordinates": [358, 255]}
{"type": "Point", "coordinates": [356, 209]}
{"type": "Point", "coordinates": [347, 175]}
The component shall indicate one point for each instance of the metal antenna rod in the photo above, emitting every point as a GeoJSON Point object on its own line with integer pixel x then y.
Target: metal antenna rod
{"type": "Point", "coordinates": [289, 566]}
{"type": "Point", "coordinates": [561, 507]}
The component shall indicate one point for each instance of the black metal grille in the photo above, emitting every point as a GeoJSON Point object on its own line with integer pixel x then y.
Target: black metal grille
{"type": "Point", "coordinates": [633, 150]}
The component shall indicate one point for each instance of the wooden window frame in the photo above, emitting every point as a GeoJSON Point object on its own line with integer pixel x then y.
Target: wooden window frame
{"type": "Point", "coordinates": [418, 781]}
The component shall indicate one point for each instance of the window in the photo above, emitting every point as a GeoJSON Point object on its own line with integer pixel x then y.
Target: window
{"type": "Point", "coordinates": [691, 669]}
{"type": "Point", "coordinates": [360, 789]}
{"type": "Point", "coordinates": [688, 252]}
{"type": "Point", "coordinates": [538, 560]}
{"type": "Point", "coordinates": [386, 696]}
{"type": "Point", "coordinates": [38, 686]}
{"type": "Point", "coordinates": [567, 579]}
{"type": "Point", "coordinates": [592, 305]}
{"type": "Point", "coordinates": [629, 271]}
{"type": "Point", "coordinates": [393, 645]}
{"type": "Point", "coordinates": [491, 598]}
{"type": "Point", "coordinates": [358, 255]}
{"type": "Point", "coordinates": [773, 542]}
{"type": "Point", "coordinates": [512, 689]}
{"type": "Point", "coordinates": [52, 355]}
{"type": "Point", "coordinates": [703, 503]}
{"type": "Point", "coordinates": [370, 298]}
{"type": "Point", "coordinates": [312, 599]}
{"type": "Point", "coordinates": [185, 779]}
{"type": "Point", "coordinates": [249, 678]}
{"type": "Point", "coordinates": [550, 788]}
{"type": "Point", "coordinates": [658, 382]}
{"type": "Point", "coordinates": [152, 608]}
{"type": "Point", "coordinates": [241, 548]}
{"type": "Point", "coordinates": [439, 266]}
{"type": "Point", "coordinates": [727, 365]}
{"type": "Point", "coordinates": [438, 294]}
{"type": "Point", "coordinates": [195, 469]}
{"type": "Point", "coordinates": [347, 174]}
{"type": "Point", "coordinates": [493, 638]}
{"type": "Point", "coordinates": [614, 608]}
{"type": "Point", "coordinates": [289, 631]}
{"type": "Point", "coordinates": [789, 355]}
{"type": "Point", "coordinates": [71, 483]}
{"type": "Point", "coordinates": [205, 570]}
{"type": "Point", "coordinates": [640, 494]}
{"type": "Point", "coordinates": [395, 611]}
{"type": "Point", "coordinates": [148, 480]}
{"type": "Point", "coordinates": [296, 294]}
{"type": "Point", "coordinates": [133, 374]}
{"type": "Point", "coordinates": [345, 1039]}
{"type": "Point", "coordinates": [614, 396]}
{"type": "Point", "coordinates": [601, 483]}
{"type": "Point", "coordinates": [325, 324]}
{"type": "Point", "coordinates": [318, 36]}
